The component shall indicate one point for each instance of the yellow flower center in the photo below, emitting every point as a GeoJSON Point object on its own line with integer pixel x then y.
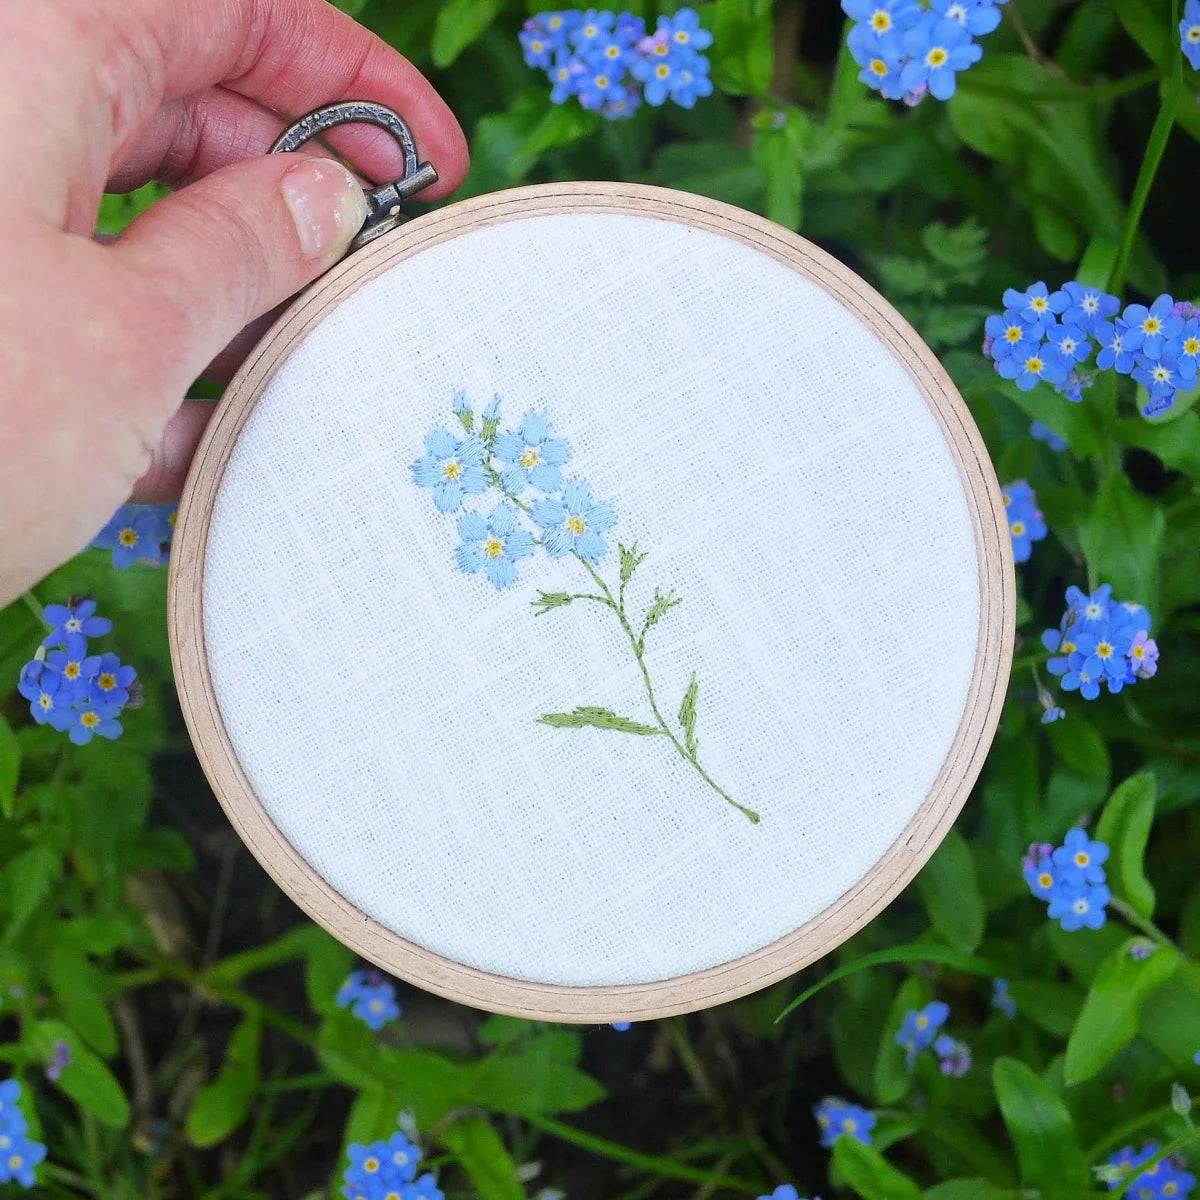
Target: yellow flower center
{"type": "Point", "coordinates": [879, 67]}
{"type": "Point", "coordinates": [922, 1021]}
{"type": "Point", "coordinates": [1193, 33]}
{"type": "Point", "coordinates": [400, 1158]}
{"type": "Point", "coordinates": [1161, 374]}
{"type": "Point", "coordinates": [1170, 1188]}
{"type": "Point", "coordinates": [493, 547]}
{"type": "Point", "coordinates": [173, 518]}
{"type": "Point", "coordinates": [106, 682]}
{"type": "Point", "coordinates": [1039, 304]}
{"type": "Point", "coordinates": [1067, 647]}
{"type": "Point", "coordinates": [1082, 859]}
{"type": "Point", "coordinates": [1013, 334]}
{"type": "Point", "coordinates": [576, 525]}
{"type": "Point", "coordinates": [1045, 879]}
{"type": "Point", "coordinates": [127, 537]}
{"type": "Point", "coordinates": [1192, 346]}
{"type": "Point", "coordinates": [1138, 651]}
{"type": "Point", "coordinates": [849, 1125]}
{"type": "Point", "coordinates": [89, 720]}
{"type": "Point", "coordinates": [1104, 650]}
{"type": "Point", "coordinates": [590, 31]}
{"type": "Point", "coordinates": [612, 51]}
{"type": "Point", "coordinates": [71, 670]}
{"type": "Point", "coordinates": [536, 47]}
{"type": "Point", "coordinates": [1018, 528]}
{"type": "Point", "coordinates": [1151, 325]}
{"type": "Point", "coordinates": [1081, 906]}
{"type": "Point", "coordinates": [376, 1006]}
{"type": "Point", "coordinates": [45, 702]}
{"type": "Point", "coordinates": [937, 57]}
{"type": "Point", "coordinates": [881, 21]}
{"type": "Point", "coordinates": [371, 1165]}
{"type": "Point", "coordinates": [15, 1162]}
{"type": "Point", "coordinates": [662, 70]}
{"type": "Point", "coordinates": [554, 22]}
{"type": "Point", "coordinates": [452, 470]}
{"type": "Point", "coordinates": [681, 37]}
{"type": "Point", "coordinates": [661, 48]}
{"type": "Point", "coordinates": [1034, 365]}
{"type": "Point", "coordinates": [602, 81]}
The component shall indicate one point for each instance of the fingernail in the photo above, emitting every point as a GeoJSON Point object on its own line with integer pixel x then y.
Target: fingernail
{"type": "Point", "coordinates": [327, 205]}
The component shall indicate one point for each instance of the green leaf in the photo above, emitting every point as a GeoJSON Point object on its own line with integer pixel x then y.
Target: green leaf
{"type": "Point", "coordinates": [910, 952]}
{"type": "Point", "coordinates": [1078, 745]}
{"type": "Point", "coordinates": [892, 1074]}
{"type": "Point", "coordinates": [1041, 1129]}
{"type": "Point", "coordinates": [950, 890]}
{"type": "Point", "coordinates": [743, 50]}
{"type": "Point", "coordinates": [1053, 1007]}
{"type": "Point", "coordinates": [296, 943]}
{"type": "Point", "coordinates": [970, 1189]}
{"type": "Point", "coordinates": [1097, 262]}
{"type": "Point", "coordinates": [459, 23]}
{"type": "Point", "coordinates": [326, 965]}
{"type": "Point", "coordinates": [687, 717]}
{"type": "Point", "coordinates": [1109, 1020]}
{"type": "Point", "coordinates": [663, 603]}
{"type": "Point", "coordinates": [539, 1078]}
{"type": "Point", "coordinates": [1176, 441]}
{"type": "Point", "coordinates": [543, 602]}
{"type": "Point", "coordinates": [870, 1174]}
{"type": "Point", "coordinates": [779, 138]}
{"type": "Point", "coordinates": [73, 981]}
{"type": "Point", "coordinates": [598, 718]}
{"type": "Point", "coordinates": [30, 877]}
{"type": "Point", "coordinates": [630, 561]}
{"type": "Point", "coordinates": [482, 1155]}
{"type": "Point", "coordinates": [1171, 1017]}
{"type": "Point", "coordinates": [86, 1080]}
{"type": "Point", "coordinates": [221, 1106]}
{"type": "Point", "coordinates": [10, 767]}
{"type": "Point", "coordinates": [372, 1116]}
{"type": "Point", "coordinates": [1124, 827]}
{"type": "Point", "coordinates": [1122, 537]}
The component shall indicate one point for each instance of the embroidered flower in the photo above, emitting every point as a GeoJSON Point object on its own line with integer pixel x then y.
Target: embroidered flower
{"type": "Point", "coordinates": [574, 524]}
{"type": "Point", "coordinates": [77, 620]}
{"type": "Point", "coordinates": [838, 1119]}
{"type": "Point", "coordinates": [493, 546]}
{"type": "Point", "coordinates": [534, 457]}
{"type": "Point", "coordinates": [452, 468]}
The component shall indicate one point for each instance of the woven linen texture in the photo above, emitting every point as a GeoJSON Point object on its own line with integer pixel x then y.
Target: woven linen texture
{"type": "Point", "coordinates": [786, 478]}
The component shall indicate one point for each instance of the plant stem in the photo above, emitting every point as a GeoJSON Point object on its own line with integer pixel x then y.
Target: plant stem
{"type": "Point", "coordinates": [31, 602]}
{"type": "Point", "coordinates": [1143, 924]}
{"type": "Point", "coordinates": [1124, 1133]}
{"type": "Point", "coordinates": [645, 1162]}
{"type": "Point", "coordinates": [639, 654]}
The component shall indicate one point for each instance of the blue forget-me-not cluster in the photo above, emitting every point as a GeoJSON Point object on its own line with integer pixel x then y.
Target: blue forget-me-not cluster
{"type": "Point", "coordinates": [836, 1119]}
{"type": "Point", "coordinates": [1045, 336]}
{"type": "Point", "coordinates": [387, 1171]}
{"type": "Point", "coordinates": [19, 1155]}
{"type": "Point", "coordinates": [908, 50]}
{"type": "Point", "coordinates": [1164, 1180]}
{"type": "Point", "coordinates": [1071, 879]}
{"type": "Point", "coordinates": [1189, 33]}
{"type": "Point", "coordinates": [610, 63]}
{"type": "Point", "coordinates": [1026, 524]}
{"type": "Point", "coordinates": [370, 998]}
{"type": "Point", "coordinates": [1100, 641]}
{"type": "Point", "coordinates": [70, 688]}
{"type": "Point", "coordinates": [138, 533]}
{"type": "Point", "coordinates": [919, 1028]}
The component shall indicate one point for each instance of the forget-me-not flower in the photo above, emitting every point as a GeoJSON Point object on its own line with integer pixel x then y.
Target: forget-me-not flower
{"type": "Point", "coordinates": [493, 545]}
{"type": "Point", "coordinates": [1115, 352]}
{"type": "Point", "coordinates": [976, 16]}
{"type": "Point", "coordinates": [1189, 33]}
{"type": "Point", "coordinates": [1001, 1000]}
{"type": "Point", "coordinates": [1088, 304]}
{"type": "Point", "coordinates": [574, 524]}
{"type": "Point", "coordinates": [919, 1028]}
{"type": "Point", "coordinates": [1080, 908]}
{"type": "Point", "coordinates": [1086, 856]}
{"type": "Point", "coordinates": [1040, 433]}
{"type": "Point", "coordinates": [838, 1119]}
{"type": "Point", "coordinates": [1037, 305]}
{"type": "Point", "coordinates": [1070, 343]}
{"type": "Point", "coordinates": [1030, 362]}
{"type": "Point", "coordinates": [1007, 332]}
{"type": "Point", "coordinates": [79, 619]}
{"type": "Point", "coordinates": [94, 720]}
{"type": "Point", "coordinates": [111, 681]}
{"type": "Point", "coordinates": [1151, 327]}
{"type": "Point", "coordinates": [453, 468]}
{"type": "Point", "coordinates": [133, 535]}
{"type": "Point", "coordinates": [939, 49]}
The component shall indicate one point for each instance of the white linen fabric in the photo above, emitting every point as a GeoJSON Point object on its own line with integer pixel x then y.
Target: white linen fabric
{"type": "Point", "coordinates": [784, 476]}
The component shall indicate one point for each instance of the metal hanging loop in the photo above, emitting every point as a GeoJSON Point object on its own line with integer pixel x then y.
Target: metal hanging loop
{"type": "Point", "coordinates": [385, 203]}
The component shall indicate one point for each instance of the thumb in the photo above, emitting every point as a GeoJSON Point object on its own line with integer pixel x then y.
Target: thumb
{"type": "Point", "coordinates": [230, 247]}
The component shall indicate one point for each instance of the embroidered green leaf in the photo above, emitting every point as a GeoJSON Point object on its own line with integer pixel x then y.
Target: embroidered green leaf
{"type": "Point", "coordinates": [663, 603]}
{"type": "Point", "coordinates": [630, 561]}
{"type": "Point", "coordinates": [687, 717]}
{"type": "Point", "coordinates": [597, 718]}
{"type": "Point", "coordinates": [543, 602]}
{"type": "Point", "coordinates": [488, 428]}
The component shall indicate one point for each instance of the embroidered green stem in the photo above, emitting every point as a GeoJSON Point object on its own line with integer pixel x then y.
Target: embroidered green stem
{"type": "Point", "coordinates": [637, 642]}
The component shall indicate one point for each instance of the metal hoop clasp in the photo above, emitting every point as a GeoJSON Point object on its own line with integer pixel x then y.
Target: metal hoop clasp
{"type": "Point", "coordinates": [385, 203]}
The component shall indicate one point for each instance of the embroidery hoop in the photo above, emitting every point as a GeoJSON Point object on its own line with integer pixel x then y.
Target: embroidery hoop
{"type": "Point", "coordinates": [553, 1001]}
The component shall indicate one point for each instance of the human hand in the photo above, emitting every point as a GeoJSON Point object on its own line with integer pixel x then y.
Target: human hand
{"type": "Point", "coordinates": [98, 343]}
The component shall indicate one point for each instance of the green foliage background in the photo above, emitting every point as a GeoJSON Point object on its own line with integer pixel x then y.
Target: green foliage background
{"type": "Point", "coordinates": [208, 1058]}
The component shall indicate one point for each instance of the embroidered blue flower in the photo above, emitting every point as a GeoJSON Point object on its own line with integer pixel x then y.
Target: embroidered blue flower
{"type": "Point", "coordinates": [1070, 343]}
{"type": "Point", "coordinates": [1151, 328]}
{"type": "Point", "coordinates": [976, 16]}
{"type": "Point", "coordinates": [1116, 352]}
{"type": "Point", "coordinates": [838, 1119]}
{"type": "Point", "coordinates": [1087, 305]}
{"type": "Point", "coordinates": [919, 1028]}
{"type": "Point", "coordinates": [1037, 306]}
{"type": "Point", "coordinates": [493, 546]}
{"type": "Point", "coordinates": [1080, 908]}
{"type": "Point", "coordinates": [1007, 332]}
{"type": "Point", "coordinates": [133, 535]}
{"type": "Point", "coordinates": [574, 524]}
{"type": "Point", "coordinates": [1086, 856]}
{"type": "Point", "coordinates": [110, 681]}
{"type": "Point", "coordinates": [68, 620]}
{"type": "Point", "coordinates": [1189, 33]}
{"type": "Point", "coordinates": [94, 720]}
{"type": "Point", "coordinates": [452, 468]}
{"type": "Point", "coordinates": [1001, 1000]}
{"type": "Point", "coordinates": [1030, 362]}
{"type": "Point", "coordinates": [939, 49]}
{"type": "Point", "coordinates": [1040, 433]}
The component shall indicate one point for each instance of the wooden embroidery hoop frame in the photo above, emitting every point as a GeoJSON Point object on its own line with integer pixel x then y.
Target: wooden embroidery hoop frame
{"type": "Point", "coordinates": [552, 1002]}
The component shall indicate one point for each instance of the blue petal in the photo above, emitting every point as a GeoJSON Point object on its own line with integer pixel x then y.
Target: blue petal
{"type": "Point", "coordinates": [501, 572]}
{"type": "Point", "coordinates": [440, 443]}
{"type": "Point", "coordinates": [535, 428]}
{"type": "Point", "coordinates": [427, 472]}
{"type": "Point", "coordinates": [546, 477]}
{"type": "Point", "coordinates": [577, 497]}
{"type": "Point", "coordinates": [56, 614]}
{"type": "Point", "coordinates": [508, 447]}
{"type": "Point", "coordinates": [472, 527]}
{"type": "Point", "coordinates": [468, 558]}
{"type": "Point", "coordinates": [555, 451]}
{"type": "Point", "coordinates": [590, 546]}
{"type": "Point", "coordinates": [514, 480]}
{"type": "Point", "coordinates": [558, 542]}
{"type": "Point", "coordinates": [474, 480]}
{"type": "Point", "coordinates": [448, 496]}
{"type": "Point", "coordinates": [519, 544]}
{"type": "Point", "coordinates": [548, 513]}
{"type": "Point", "coordinates": [600, 517]}
{"type": "Point", "coordinates": [503, 520]}
{"type": "Point", "coordinates": [471, 450]}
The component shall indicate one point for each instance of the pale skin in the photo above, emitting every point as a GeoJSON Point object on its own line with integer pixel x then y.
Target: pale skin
{"type": "Point", "coordinates": [100, 342]}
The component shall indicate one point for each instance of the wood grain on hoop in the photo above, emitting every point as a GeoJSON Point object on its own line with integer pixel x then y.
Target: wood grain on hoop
{"type": "Point", "coordinates": [715, 985]}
